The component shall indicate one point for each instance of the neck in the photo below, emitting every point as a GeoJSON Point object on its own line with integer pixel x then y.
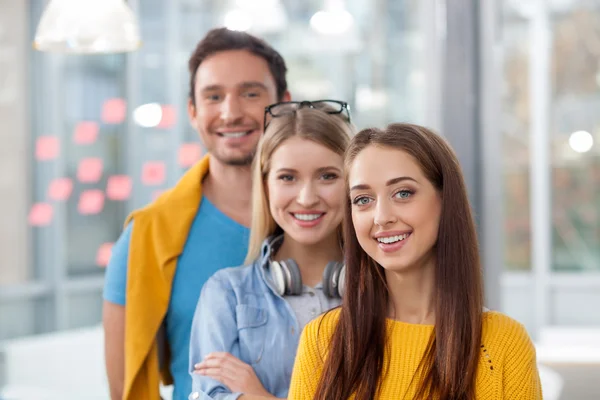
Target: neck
{"type": "Point", "coordinates": [311, 259]}
{"type": "Point", "coordinates": [229, 188]}
{"type": "Point", "coordinates": [411, 294]}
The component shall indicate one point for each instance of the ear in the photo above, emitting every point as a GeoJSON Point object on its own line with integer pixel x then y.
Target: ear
{"type": "Point", "coordinates": [192, 112]}
{"type": "Point", "coordinates": [286, 96]}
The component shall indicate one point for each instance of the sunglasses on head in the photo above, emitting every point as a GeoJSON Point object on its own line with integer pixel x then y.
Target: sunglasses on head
{"type": "Point", "coordinates": [290, 107]}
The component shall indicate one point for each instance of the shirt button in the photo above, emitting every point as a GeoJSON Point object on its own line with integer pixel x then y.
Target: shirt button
{"type": "Point", "coordinates": [195, 395]}
{"type": "Point", "coordinates": [313, 312]}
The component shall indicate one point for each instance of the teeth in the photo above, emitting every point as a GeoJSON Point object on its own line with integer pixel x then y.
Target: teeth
{"type": "Point", "coordinates": [234, 134]}
{"type": "Point", "coordinates": [392, 239]}
{"type": "Point", "coordinates": [307, 217]}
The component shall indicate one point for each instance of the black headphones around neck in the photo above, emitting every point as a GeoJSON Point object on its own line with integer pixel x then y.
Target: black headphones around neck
{"type": "Point", "coordinates": [288, 281]}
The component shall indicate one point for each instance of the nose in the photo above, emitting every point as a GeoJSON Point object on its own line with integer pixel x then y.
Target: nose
{"type": "Point", "coordinates": [307, 197]}
{"type": "Point", "coordinates": [231, 110]}
{"type": "Point", "coordinates": [384, 214]}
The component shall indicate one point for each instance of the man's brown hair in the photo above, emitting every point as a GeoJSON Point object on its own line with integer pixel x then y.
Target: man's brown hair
{"type": "Point", "coordinates": [223, 39]}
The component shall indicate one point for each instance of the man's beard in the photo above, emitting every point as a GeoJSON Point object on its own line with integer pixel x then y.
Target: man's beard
{"type": "Point", "coordinates": [244, 161]}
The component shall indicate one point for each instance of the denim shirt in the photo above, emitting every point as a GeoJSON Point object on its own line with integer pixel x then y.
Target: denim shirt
{"type": "Point", "coordinates": [240, 312]}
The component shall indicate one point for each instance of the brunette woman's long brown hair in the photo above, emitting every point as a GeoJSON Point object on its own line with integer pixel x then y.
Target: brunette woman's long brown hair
{"type": "Point", "coordinates": [355, 358]}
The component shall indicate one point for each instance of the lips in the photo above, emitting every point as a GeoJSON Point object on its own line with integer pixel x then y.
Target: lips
{"type": "Point", "coordinates": [308, 220]}
{"type": "Point", "coordinates": [307, 217]}
{"type": "Point", "coordinates": [393, 238]}
{"type": "Point", "coordinates": [390, 242]}
{"type": "Point", "coordinates": [392, 234]}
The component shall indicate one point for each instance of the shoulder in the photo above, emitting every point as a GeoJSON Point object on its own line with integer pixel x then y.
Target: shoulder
{"type": "Point", "coordinates": [119, 252]}
{"type": "Point", "coordinates": [121, 246]}
{"type": "Point", "coordinates": [115, 279]}
{"type": "Point", "coordinates": [506, 337]}
{"type": "Point", "coordinates": [240, 276]}
{"type": "Point", "coordinates": [499, 324]}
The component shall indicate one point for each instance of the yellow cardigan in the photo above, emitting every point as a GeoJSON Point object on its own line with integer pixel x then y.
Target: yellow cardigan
{"type": "Point", "coordinates": [157, 239]}
{"type": "Point", "coordinates": [507, 363]}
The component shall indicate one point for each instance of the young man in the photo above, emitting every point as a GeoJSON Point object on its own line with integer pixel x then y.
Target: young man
{"type": "Point", "coordinates": [171, 247]}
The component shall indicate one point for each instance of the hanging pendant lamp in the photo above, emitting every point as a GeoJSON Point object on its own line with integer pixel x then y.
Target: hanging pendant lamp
{"type": "Point", "coordinates": [87, 27]}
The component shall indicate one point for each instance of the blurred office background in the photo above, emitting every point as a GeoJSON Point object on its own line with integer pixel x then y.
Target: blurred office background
{"type": "Point", "coordinates": [513, 84]}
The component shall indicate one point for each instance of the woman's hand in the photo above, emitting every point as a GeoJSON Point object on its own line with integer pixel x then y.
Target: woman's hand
{"type": "Point", "coordinates": [235, 374]}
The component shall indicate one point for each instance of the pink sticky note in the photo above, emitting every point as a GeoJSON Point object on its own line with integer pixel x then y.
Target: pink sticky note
{"type": "Point", "coordinates": [47, 148]}
{"type": "Point", "coordinates": [40, 214]}
{"type": "Point", "coordinates": [114, 111]}
{"type": "Point", "coordinates": [86, 132]}
{"type": "Point", "coordinates": [153, 173]}
{"type": "Point", "coordinates": [189, 153]}
{"type": "Point", "coordinates": [60, 189]}
{"type": "Point", "coordinates": [91, 202]}
{"type": "Point", "coordinates": [118, 187]}
{"type": "Point", "coordinates": [169, 117]}
{"type": "Point", "coordinates": [103, 254]}
{"type": "Point", "coordinates": [89, 170]}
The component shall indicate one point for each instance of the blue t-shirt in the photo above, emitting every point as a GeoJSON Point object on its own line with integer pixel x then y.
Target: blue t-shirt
{"type": "Point", "coordinates": [215, 241]}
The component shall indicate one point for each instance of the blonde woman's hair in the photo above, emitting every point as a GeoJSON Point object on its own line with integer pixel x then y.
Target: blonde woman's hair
{"type": "Point", "coordinates": [330, 130]}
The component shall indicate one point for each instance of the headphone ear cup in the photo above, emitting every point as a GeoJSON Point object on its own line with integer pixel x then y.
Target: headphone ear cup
{"type": "Point", "coordinates": [341, 287]}
{"type": "Point", "coordinates": [277, 275]}
{"type": "Point", "coordinates": [294, 281]}
{"type": "Point", "coordinates": [331, 279]}
{"type": "Point", "coordinates": [327, 274]}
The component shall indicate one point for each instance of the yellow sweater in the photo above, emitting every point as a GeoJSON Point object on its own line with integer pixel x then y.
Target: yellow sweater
{"type": "Point", "coordinates": [507, 365]}
{"type": "Point", "coordinates": [158, 237]}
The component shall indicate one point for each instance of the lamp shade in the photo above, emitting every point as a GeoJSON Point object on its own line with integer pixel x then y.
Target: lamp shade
{"type": "Point", "coordinates": [87, 26]}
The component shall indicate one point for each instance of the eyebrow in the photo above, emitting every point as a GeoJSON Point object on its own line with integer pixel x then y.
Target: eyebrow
{"type": "Point", "coordinates": [243, 85]}
{"type": "Point", "coordinates": [322, 169]}
{"type": "Point", "coordinates": [388, 183]}
{"type": "Point", "coordinates": [253, 85]}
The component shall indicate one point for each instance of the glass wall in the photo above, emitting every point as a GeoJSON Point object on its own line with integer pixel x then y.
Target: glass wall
{"type": "Point", "coordinates": [561, 42]}
{"type": "Point", "coordinates": [110, 132]}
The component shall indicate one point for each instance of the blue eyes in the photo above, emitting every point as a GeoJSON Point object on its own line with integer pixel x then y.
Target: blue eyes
{"type": "Point", "coordinates": [401, 194]}
{"type": "Point", "coordinates": [361, 201]}
{"type": "Point", "coordinates": [404, 194]}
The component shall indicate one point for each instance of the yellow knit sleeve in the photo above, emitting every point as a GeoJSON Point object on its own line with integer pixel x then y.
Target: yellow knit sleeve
{"type": "Point", "coordinates": [308, 365]}
{"type": "Point", "coordinates": [521, 379]}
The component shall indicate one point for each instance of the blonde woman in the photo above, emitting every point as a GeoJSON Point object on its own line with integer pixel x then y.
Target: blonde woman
{"type": "Point", "coordinates": [249, 319]}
